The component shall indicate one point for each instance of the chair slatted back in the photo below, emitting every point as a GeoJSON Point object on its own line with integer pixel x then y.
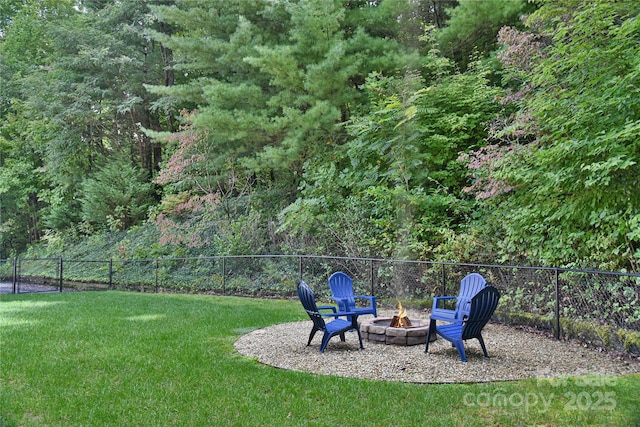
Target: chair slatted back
{"type": "Point", "coordinates": [308, 300]}
{"type": "Point", "coordinates": [483, 304]}
{"type": "Point", "coordinates": [470, 285]}
{"type": "Point", "coordinates": [342, 287]}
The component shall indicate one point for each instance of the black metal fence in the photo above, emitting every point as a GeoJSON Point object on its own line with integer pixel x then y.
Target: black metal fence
{"type": "Point", "coordinates": [568, 302]}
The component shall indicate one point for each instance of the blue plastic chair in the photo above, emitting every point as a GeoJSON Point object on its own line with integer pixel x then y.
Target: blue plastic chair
{"type": "Point", "coordinates": [335, 327]}
{"type": "Point", "coordinates": [469, 286]}
{"type": "Point", "coordinates": [483, 304]}
{"type": "Point", "coordinates": [342, 292]}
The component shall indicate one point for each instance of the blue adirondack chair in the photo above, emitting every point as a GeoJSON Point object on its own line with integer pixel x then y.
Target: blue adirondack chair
{"type": "Point", "coordinates": [483, 304]}
{"type": "Point", "coordinates": [342, 292]}
{"type": "Point", "coordinates": [335, 327]}
{"type": "Point", "coordinates": [469, 286]}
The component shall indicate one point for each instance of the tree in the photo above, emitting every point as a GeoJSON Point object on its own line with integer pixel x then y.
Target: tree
{"type": "Point", "coordinates": [20, 181]}
{"type": "Point", "coordinates": [398, 176]}
{"type": "Point", "coordinates": [26, 56]}
{"type": "Point", "coordinates": [472, 27]}
{"type": "Point", "coordinates": [117, 196]}
{"type": "Point", "coordinates": [271, 84]}
{"type": "Point", "coordinates": [567, 162]}
{"type": "Point", "coordinates": [74, 93]}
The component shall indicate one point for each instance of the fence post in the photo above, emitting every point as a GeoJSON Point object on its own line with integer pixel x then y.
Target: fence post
{"type": "Point", "coordinates": [444, 280]}
{"type": "Point", "coordinates": [371, 276]}
{"type": "Point", "coordinates": [61, 275]}
{"type": "Point", "coordinates": [111, 273]}
{"type": "Point", "coordinates": [15, 274]}
{"type": "Point", "coordinates": [557, 307]}
{"type": "Point", "coordinates": [156, 265]}
{"type": "Point", "coordinates": [300, 267]}
{"type": "Point", "coordinates": [18, 272]}
{"type": "Point", "coordinates": [224, 275]}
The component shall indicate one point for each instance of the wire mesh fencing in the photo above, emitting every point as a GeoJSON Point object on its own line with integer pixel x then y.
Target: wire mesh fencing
{"type": "Point", "coordinates": [558, 300]}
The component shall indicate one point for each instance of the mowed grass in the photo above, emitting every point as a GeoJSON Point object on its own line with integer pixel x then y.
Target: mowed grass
{"type": "Point", "coordinates": [130, 359]}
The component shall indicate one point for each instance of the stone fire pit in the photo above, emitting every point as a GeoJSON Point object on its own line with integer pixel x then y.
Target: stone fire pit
{"type": "Point", "coordinates": [378, 330]}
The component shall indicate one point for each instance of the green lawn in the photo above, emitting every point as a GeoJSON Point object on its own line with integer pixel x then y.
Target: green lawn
{"type": "Point", "coordinates": [130, 359]}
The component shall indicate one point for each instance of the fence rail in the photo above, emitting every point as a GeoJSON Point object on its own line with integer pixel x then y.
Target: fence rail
{"type": "Point", "coordinates": [546, 297]}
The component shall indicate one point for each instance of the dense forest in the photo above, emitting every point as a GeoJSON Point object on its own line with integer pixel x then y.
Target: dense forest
{"type": "Point", "coordinates": [501, 131]}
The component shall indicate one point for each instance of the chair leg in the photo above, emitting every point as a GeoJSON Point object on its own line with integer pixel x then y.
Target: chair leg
{"type": "Point", "coordinates": [360, 338]}
{"type": "Point", "coordinates": [352, 319]}
{"type": "Point", "coordinates": [355, 326]}
{"type": "Point", "coordinates": [325, 340]}
{"type": "Point", "coordinates": [460, 347]}
{"type": "Point", "coordinates": [311, 335]}
{"type": "Point", "coordinates": [432, 330]}
{"type": "Point", "coordinates": [342, 337]}
{"type": "Point", "coordinates": [484, 349]}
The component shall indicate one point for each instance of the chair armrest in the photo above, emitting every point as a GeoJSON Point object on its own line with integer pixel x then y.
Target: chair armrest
{"type": "Point", "coordinates": [436, 316]}
{"type": "Point", "coordinates": [339, 313]}
{"type": "Point", "coordinates": [371, 298]}
{"type": "Point", "coordinates": [443, 298]}
{"type": "Point", "coordinates": [436, 300]}
{"type": "Point", "coordinates": [327, 307]}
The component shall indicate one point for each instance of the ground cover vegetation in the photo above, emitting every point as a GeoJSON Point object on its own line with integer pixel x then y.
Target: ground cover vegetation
{"type": "Point", "coordinates": [121, 358]}
{"type": "Point", "coordinates": [456, 130]}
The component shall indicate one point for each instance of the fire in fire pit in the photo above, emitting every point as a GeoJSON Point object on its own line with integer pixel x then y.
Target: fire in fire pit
{"type": "Point", "coordinates": [401, 320]}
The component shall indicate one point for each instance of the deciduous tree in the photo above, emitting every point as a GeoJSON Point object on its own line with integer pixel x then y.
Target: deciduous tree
{"type": "Point", "coordinates": [572, 165]}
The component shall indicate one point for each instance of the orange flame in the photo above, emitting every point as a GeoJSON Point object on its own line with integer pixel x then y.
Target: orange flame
{"type": "Point", "coordinates": [402, 312]}
{"type": "Point", "coordinates": [403, 319]}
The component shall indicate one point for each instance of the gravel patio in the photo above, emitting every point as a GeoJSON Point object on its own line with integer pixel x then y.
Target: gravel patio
{"type": "Point", "coordinates": [515, 354]}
